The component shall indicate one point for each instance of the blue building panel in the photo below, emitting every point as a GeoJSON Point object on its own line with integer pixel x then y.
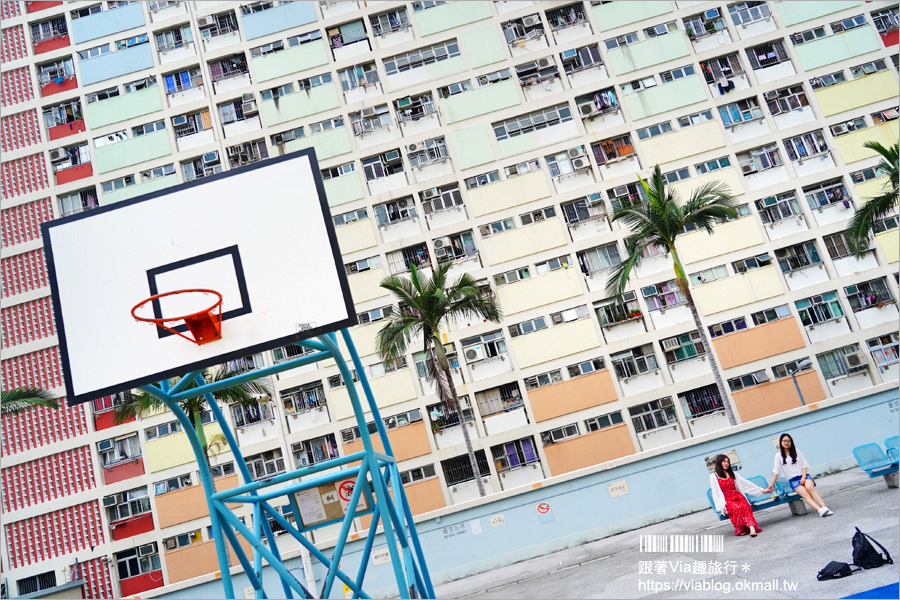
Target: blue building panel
{"type": "Point", "coordinates": [107, 22]}
{"type": "Point", "coordinates": [113, 64]}
{"type": "Point", "coordinates": [281, 17]}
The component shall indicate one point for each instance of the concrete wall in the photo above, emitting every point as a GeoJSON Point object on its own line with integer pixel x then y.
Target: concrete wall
{"type": "Point", "coordinates": [132, 191]}
{"type": "Point", "coordinates": [666, 97]}
{"type": "Point", "coordinates": [649, 52]}
{"type": "Point", "coordinates": [173, 450]}
{"type": "Point", "coordinates": [356, 236]}
{"type": "Point", "coordinates": [890, 245]}
{"type": "Point", "coordinates": [483, 46]}
{"type": "Point", "coordinates": [835, 48]}
{"type": "Point", "coordinates": [572, 395]}
{"type": "Point", "coordinates": [132, 151]}
{"type": "Point", "coordinates": [191, 561]}
{"type": "Point", "coordinates": [480, 101]}
{"type": "Point", "coordinates": [476, 140]}
{"type": "Point", "coordinates": [756, 343]}
{"type": "Point", "coordinates": [114, 64]}
{"type": "Point", "coordinates": [389, 389]}
{"type": "Point", "coordinates": [344, 189]}
{"type": "Point", "coordinates": [106, 23]}
{"type": "Point", "coordinates": [798, 12]}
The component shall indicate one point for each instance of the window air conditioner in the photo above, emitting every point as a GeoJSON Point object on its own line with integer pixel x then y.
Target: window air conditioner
{"type": "Point", "coordinates": [443, 242]}
{"type": "Point", "coordinates": [248, 97]}
{"type": "Point", "coordinates": [235, 150]}
{"type": "Point", "coordinates": [368, 112]}
{"type": "Point", "coordinates": [249, 108]}
{"type": "Point", "coordinates": [581, 163]}
{"type": "Point", "coordinates": [629, 297]}
{"type": "Point", "coordinates": [712, 13]}
{"type": "Point", "coordinates": [855, 361]}
{"type": "Point", "coordinates": [211, 158]}
{"type": "Point", "coordinates": [546, 439]}
{"type": "Point", "coordinates": [483, 80]}
{"type": "Point", "coordinates": [748, 169]}
{"type": "Point", "coordinates": [576, 152]}
{"type": "Point", "coordinates": [569, 54]}
{"type": "Point", "coordinates": [180, 120]}
{"type": "Point", "coordinates": [105, 445]}
{"type": "Point", "coordinates": [429, 194]}
{"type": "Point", "coordinates": [648, 291]}
{"type": "Point", "coordinates": [531, 21]}
{"type": "Point", "coordinates": [837, 27]}
{"type": "Point", "coordinates": [207, 21]}
{"type": "Point", "coordinates": [474, 353]}
{"type": "Point", "coordinates": [109, 501]}
{"type": "Point", "coordinates": [670, 344]}
{"type": "Point", "coordinates": [621, 190]}
{"type": "Point", "coordinates": [586, 109]}
{"type": "Point", "coordinates": [392, 156]}
{"type": "Point", "coordinates": [147, 550]}
{"type": "Point", "coordinates": [839, 129]}
{"type": "Point", "coordinates": [277, 139]}
{"type": "Point", "coordinates": [544, 63]}
{"type": "Point", "coordinates": [418, 146]}
{"type": "Point", "coordinates": [771, 95]}
{"type": "Point", "coordinates": [58, 155]}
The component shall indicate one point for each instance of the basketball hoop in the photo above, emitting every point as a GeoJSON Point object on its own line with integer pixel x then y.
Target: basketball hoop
{"type": "Point", "coordinates": [205, 325]}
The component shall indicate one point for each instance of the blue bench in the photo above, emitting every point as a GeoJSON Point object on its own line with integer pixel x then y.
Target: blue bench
{"type": "Point", "coordinates": [872, 459]}
{"type": "Point", "coordinates": [892, 445]}
{"type": "Point", "coordinates": [780, 496]}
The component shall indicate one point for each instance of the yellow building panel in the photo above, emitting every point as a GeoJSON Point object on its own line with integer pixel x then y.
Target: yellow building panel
{"type": "Point", "coordinates": [871, 188]}
{"type": "Point", "coordinates": [728, 237]}
{"type": "Point", "coordinates": [521, 189]}
{"type": "Point", "coordinates": [738, 290]}
{"type": "Point", "coordinates": [890, 244]}
{"type": "Point", "coordinates": [684, 142]}
{"type": "Point", "coordinates": [388, 390]}
{"type": "Point", "coordinates": [729, 176]}
{"type": "Point", "coordinates": [554, 342]}
{"type": "Point", "coordinates": [856, 93]}
{"type": "Point", "coordinates": [364, 338]}
{"type": "Point", "coordinates": [524, 241]}
{"type": "Point", "coordinates": [356, 236]}
{"type": "Point", "coordinates": [850, 145]}
{"type": "Point", "coordinates": [365, 286]}
{"type": "Point", "coordinates": [538, 291]}
{"type": "Point", "coordinates": [174, 450]}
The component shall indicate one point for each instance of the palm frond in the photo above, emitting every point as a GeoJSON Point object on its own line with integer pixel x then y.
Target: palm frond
{"type": "Point", "coordinates": [21, 399]}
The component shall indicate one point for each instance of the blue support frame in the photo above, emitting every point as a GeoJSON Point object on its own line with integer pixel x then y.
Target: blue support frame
{"type": "Point", "coordinates": [377, 470]}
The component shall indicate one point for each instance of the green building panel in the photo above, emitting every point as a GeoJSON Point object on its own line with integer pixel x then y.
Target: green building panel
{"type": "Point", "coordinates": [133, 191]}
{"type": "Point", "coordinates": [615, 14]}
{"type": "Point", "coordinates": [446, 67]}
{"type": "Point", "coordinates": [300, 104]}
{"type": "Point", "coordinates": [650, 52]}
{"type": "Point", "coordinates": [797, 11]}
{"type": "Point", "coordinates": [450, 15]}
{"type": "Point", "coordinates": [520, 143]}
{"type": "Point", "coordinates": [472, 146]}
{"type": "Point", "coordinates": [666, 97]}
{"type": "Point", "coordinates": [344, 189]}
{"type": "Point", "coordinates": [293, 60]}
{"type": "Point", "coordinates": [124, 107]}
{"type": "Point", "coordinates": [480, 101]}
{"type": "Point", "coordinates": [483, 46]}
{"type": "Point", "coordinates": [835, 48]}
{"type": "Point", "coordinates": [327, 144]}
{"type": "Point", "coordinates": [132, 151]}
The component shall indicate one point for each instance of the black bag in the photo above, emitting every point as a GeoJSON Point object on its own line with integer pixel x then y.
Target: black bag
{"type": "Point", "coordinates": [864, 555]}
{"type": "Point", "coordinates": [835, 570]}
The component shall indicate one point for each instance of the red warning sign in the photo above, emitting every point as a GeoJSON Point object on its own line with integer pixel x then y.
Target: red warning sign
{"type": "Point", "coordinates": [346, 490]}
{"type": "Point", "coordinates": [543, 508]}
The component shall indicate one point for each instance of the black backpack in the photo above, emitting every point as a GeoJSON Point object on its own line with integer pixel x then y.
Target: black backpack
{"type": "Point", "coordinates": [835, 570]}
{"type": "Point", "coordinates": [865, 556]}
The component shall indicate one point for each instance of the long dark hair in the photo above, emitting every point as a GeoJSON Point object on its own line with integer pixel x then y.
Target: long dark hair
{"type": "Point", "coordinates": [792, 451]}
{"type": "Point", "coordinates": [720, 470]}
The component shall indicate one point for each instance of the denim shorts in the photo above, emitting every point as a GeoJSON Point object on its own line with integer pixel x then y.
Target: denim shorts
{"type": "Point", "coordinates": [795, 481]}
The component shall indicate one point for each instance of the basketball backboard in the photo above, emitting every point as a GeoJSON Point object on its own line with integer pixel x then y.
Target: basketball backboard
{"type": "Point", "coordinates": [262, 236]}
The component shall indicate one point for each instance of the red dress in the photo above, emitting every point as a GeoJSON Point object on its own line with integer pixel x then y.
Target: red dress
{"type": "Point", "coordinates": [739, 510]}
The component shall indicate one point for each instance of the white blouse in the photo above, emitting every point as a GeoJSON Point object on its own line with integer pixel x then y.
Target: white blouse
{"type": "Point", "coordinates": [742, 485]}
{"type": "Point", "coordinates": [789, 469]}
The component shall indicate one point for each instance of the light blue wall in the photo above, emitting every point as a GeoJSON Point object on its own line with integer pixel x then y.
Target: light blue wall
{"type": "Point", "coordinates": [835, 48]}
{"type": "Point", "coordinates": [113, 64]}
{"type": "Point", "coordinates": [582, 510]}
{"type": "Point", "coordinates": [665, 97]}
{"type": "Point", "coordinates": [647, 53]}
{"type": "Point", "coordinates": [279, 18]}
{"type": "Point", "coordinates": [107, 22]}
{"type": "Point", "coordinates": [480, 101]}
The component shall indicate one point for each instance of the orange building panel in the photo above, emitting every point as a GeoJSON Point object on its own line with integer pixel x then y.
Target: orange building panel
{"type": "Point", "coordinates": [589, 449]}
{"type": "Point", "coordinates": [423, 496]}
{"type": "Point", "coordinates": [192, 561]}
{"type": "Point", "coordinates": [188, 503]}
{"type": "Point", "coordinates": [572, 395]}
{"type": "Point", "coordinates": [777, 396]}
{"type": "Point", "coordinates": [407, 442]}
{"type": "Point", "coordinates": [756, 343]}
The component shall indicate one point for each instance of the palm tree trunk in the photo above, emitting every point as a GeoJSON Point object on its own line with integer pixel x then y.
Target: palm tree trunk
{"type": "Point", "coordinates": [201, 436]}
{"type": "Point", "coordinates": [448, 390]}
{"type": "Point", "coordinates": [704, 338]}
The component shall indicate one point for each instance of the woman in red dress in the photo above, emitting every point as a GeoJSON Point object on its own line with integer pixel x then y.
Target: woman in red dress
{"type": "Point", "coordinates": [729, 492]}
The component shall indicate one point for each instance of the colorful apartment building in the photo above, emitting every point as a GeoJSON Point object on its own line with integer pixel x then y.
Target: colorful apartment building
{"type": "Point", "coordinates": [496, 135]}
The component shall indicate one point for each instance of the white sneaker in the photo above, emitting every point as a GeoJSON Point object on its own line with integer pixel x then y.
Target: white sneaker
{"type": "Point", "coordinates": [823, 511]}
{"type": "Point", "coordinates": [828, 512]}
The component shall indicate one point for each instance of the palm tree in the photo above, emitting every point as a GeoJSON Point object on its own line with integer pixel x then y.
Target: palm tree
{"type": "Point", "coordinates": [142, 403]}
{"type": "Point", "coordinates": [863, 222]}
{"type": "Point", "coordinates": [656, 222]}
{"type": "Point", "coordinates": [424, 303]}
{"type": "Point", "coordinates": [21, 399]}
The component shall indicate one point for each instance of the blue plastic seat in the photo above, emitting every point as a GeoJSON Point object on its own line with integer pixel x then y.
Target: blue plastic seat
{"type": "Point", "coordinates": [872, 459]}
{"type": "Point", "coordinates": [892, 445]}
{"type": "Point", "coordinates": [776, 498]}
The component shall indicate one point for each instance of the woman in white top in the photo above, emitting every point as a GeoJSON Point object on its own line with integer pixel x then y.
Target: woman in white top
{"type": "Point", "coordinates": [791, 464]}
{"type": "Point", "coordinates": [729, 491]}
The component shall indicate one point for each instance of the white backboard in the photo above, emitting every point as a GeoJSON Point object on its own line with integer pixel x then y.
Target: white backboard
{"type": "Point", "coordinates": [262, 236]}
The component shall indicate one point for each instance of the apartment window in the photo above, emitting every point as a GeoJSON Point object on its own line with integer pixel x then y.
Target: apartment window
{"type": "Point", "coordinates": [786, 100]}
{"type": "Point", "coordinates": [866, 175]}
{"type": "Point", "coordinates": [222, 24]}
{"type": "Point", "coordinates": [848, 23]}
{"type": "Point", "coordinates": [559, 434]}
{"type": "Point", "coordinates": [568, 162]}
{"type": "Point", "coordinates": [639, 85]}
{"type": "Point", "coordinates": [265, 464]}
{"type": "Point", "coordinates": [868, 294]}
{"type": "Point", "coordinates": [599, 259]}
{"type": "Point", "coordinates": [370, 119]}
{"type": "Point", "coordinates": [789, 368]}
{"type": "Point", "coordinates": [388, 366]}
{"type": "Point", "coordinates": [744, 13]}
{"type": "Point", "coordinates": [653, 415]}
{"type": "Point", "coordinates": [523, 30]}
{"type": "Point", "coordinates": [383, 165]}
{"type": "Point", "coordinates": [885, 224]}
{"type": "Point", "coordinates": [742, 111]}
{"type": "Point", "coordinates": [172, 39]}
{"type": "Point", "coordinates": [249, 414]}
{"type": "Point", "coordinates": [767, 55]}
{"type": "Point", "coordinates": [60, 114]}
{"type": "Point", "coordinates": [702, 401]}
{"type": "Point", "coordinates": [148, 128]}
{"type": "Point", "coordinates": [117, 184]}
{"type": "Point", "coordinates": [492, 345]}
{"type": "Point", "coordinates": [336, 381]}
{"type": "Point", "coordinates": [77, 202]}
{"type": "Point", "coordinates": [749, 380]}
{"type": "Point", "coordinates": [569, 315]}
{"type": "Point", "coordinates": [56, 71]}
{"type": "Point", "coordinates": [674, 74]}
{"type": "Point", "coordinates": [836, 245]}
{"type": "Point", "coordinates": [778, 208]}
{"type": "Point", "coordinates": [500, 399]}
{"type": "Point", "coordinates": [277, 92]}
{"type": "Point", "coordinates": [94, 52]}
{"type": "Point", "coordinates": [183, 80]}
{"type": "Point", "coordinates": [102, 95]}
{"type": "Point", "coordinates": [603, 421]}
{"type": "Point", "coordinates": [402, 419]}
{"type": "Point", "coordinates": [537, 381]}
{"type": "Point", "coordinates": [663, 295]}
{"type": "Point", "coordinates": [537, 216]}
{"type": "Point", "coordinates": [511, 455]}
{"type": "Point", "coordinates": [363, 265]}
{"type": "Point", "coordinates": [832, 364]}
{"type": "Point", "coordinates": [454, 88]}
{"type": "Point", "coordinates": [158, 172]}
{"type": "Point", "coordinates": [389, 22]}
{"type": "Point", "coordinates": [586, 367]}
{"type": "Point", "coordinates": [527, 327]}
{"type": "Point", "coordinates": [118, 450]}
{"type": "Point", "coordinates": [132, 41]}
{"type": "Point", "coordinates": [827, 193]}
{"type": "Point", "coordinates": [347, 33]}
{"type": "Point", "coordinates": [703, 24]}
{"type": "Point", "coordinates": [797, 257]}
{"type": "Point", "coordinates": [808, 36]}
{"type": "Point", "coordinates": [540, 119]}
{"type": "Point", "coordinates": [485, 179]}
{"type": "Point", "coordinates": [713, 165]}
{"type": "Point", "coordinates": [229, 67]}
{"type": "Point", "coordinates": [458, 246]}
{"type": "Point", "coordinates": [269, 48]}
{"type": "Point", "coordinates": [358, 76]}
{"type": "Point", "coordinates": [884, 350]}
{"type": "Point", "coordinates": [496, 227]}
{"type": "Point", "coordinates": [443, 418]}
{"type": "Point", "coordinates": [401, 260]}
{"type": "Point", "coordinates": [459, 469]}
{"type": "Point", "coordinates": [511, 276]}
{"type": "Point", "coordinates": [618, 310]}
{"type": "Point", "coordinates": [35, 583]}
{"type": "Point", "coordinates": [708, 275]}
{"type": "Point", "coordinates": [127, 505]}
{"type": "Point", "coordinates": [303, 398]}
{"type": "Point", "coordinates": [316, 450]}
{"type": "Point", "coordinates": [137, 561]}
{"type": "Point", "coordinates": [338, 171]}
{"type": "Point", "coordinates": [185, 539]}
{"type": "Point", "coordinates": [753, 262]}
{"type": "Point", "coordinates": [289, 352]}
{"type": "Point", "coordinates": [426, 4]}
{"type": "Point", "coordinates": [717, 70]}
{"type": "Point", "coordinates": [428, 152]}
{"type": "Point", "coordinates": [613, 149]}
{"type": "Point", "coordinates": [47, 30]}
{"type": "Point", "coordinates": [190, 124]}
{"type": "Point", "coordinates": [421, 56]}
{"type": "Point", "coordinates": [314, 81]}
{"type": "Point", "coordinates": [695, 119]}
{"type": "Point", "coordinates": [622, 41]}
{"type": "Point", "coordinates": [886, 20]}
{"type": "Point", "coordinates": [829, 80]}
{"type": "Point", "coordinates": [806, 146]}
{"type": "Point", "coordinates": [682, 347]}
{"type": "Point", "coordinates": [771, 314]}
{"type": "Point", "coordinates": [305, 38]}
{"type": "Point", "coordinates": [222, 470]}
{"type": "Point", "coordinates": [522, 168]}
{"type": "Point", "coordinates": [441, 199]}
{"type": "Point", "coordinates": [579, 59]}
{"type": "Point", "coordinates": [393, 212]}
{"type": "Point", "coordinates": [868, 68]}
{"type": "Point", "coordinates": [654, 130]}
{"type": "Point", "coordinates": [417, 474]}
{"type": "Point", "coordinates": [760, 159]}
{"type": "Point", "coordinates": [170, 485]}
{"type": "Point", "coordinates": [675, 176]}
{"type": "Point", "coordinates": [726, 327]}
{"type": "Point", "coordinates": [164, 429]}
{"type": "Point", "coordinates": [819, 309]}
{"type": "Point", "coordinates": [636, 361]}
{"type": "Point", "coordinates": [584, 209]}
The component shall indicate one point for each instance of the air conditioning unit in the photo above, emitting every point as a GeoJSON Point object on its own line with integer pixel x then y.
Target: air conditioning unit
{"type": "Point", "coordinates": [839, 129]}
{"type": "Point", "coordinates": [648, 291]}
{"type": "Point", "coordinates": [207, 21]}
{"type": "Point", "coordinates": [771, 95]}
{"type": "Point", "coordinates": [483, 80]}
{"type": "Point", "coordinates": [712, 13]}
{"type": "Point", "coordinates": [474, 353]}
{"type": "Point", "coordinates": [368, 112]}
{"type": "Point", "coordinates": [621, 190]}
{"type": "Point", "coordinates": [837, 27]}
{"type": "Point", "coordinates": [855, 361]}
{"type": "Point", "coordinates": [211, 158]}
{"type": "Point", "coordinates": [429, 194]}
{"type": "Point", "coordinates": [392, 156]}
{"type": "Point", "coordinates": [235, 150]}
{"type": "Point", "coordinates": [748, 169]}
{"type": "Point", "coordinates": [180, 120]}
{"type": "Point", "coordinates": [440, 243]}
{"type": "Point", "coordinates": [586, 109]}
{"type": "Point", "coordinates": [798, 38]}
{"type": "Point", "coordinates": [109, 501]}
{"type": "Point", "coordinates": [278, 139]}
{"type": "Point", "coordinates": [248, 97]}
{"type": "Point", "coordinates": [629, 297]}
{"type": "Point", "coordinates": [531, 21]}
{"type": "Point", "coordinates": [581, 162]}
{"type": "Point", "coordinates": [546, 439]}
{"type": "Point", "coordinates": [566, 54]}
{"type": "Point", "coordinates": [661, 29]}
{"type": "Point", "coordinates": [58, 155]}
{"type": "Point", "coordinates": [544, 63]}
{"type": "Point", "coordinates": [670, 344]}
{"type": "Point", "coordinates": [249, 108]}
{"type": "Point", "coordinates": [147, 550]}
{"type": "Point", "coordinates": [418, 146]}
{"type": "Point", "coordinates": [403, 203]}
{"type": "Point", "coordinates": [576, 152]}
